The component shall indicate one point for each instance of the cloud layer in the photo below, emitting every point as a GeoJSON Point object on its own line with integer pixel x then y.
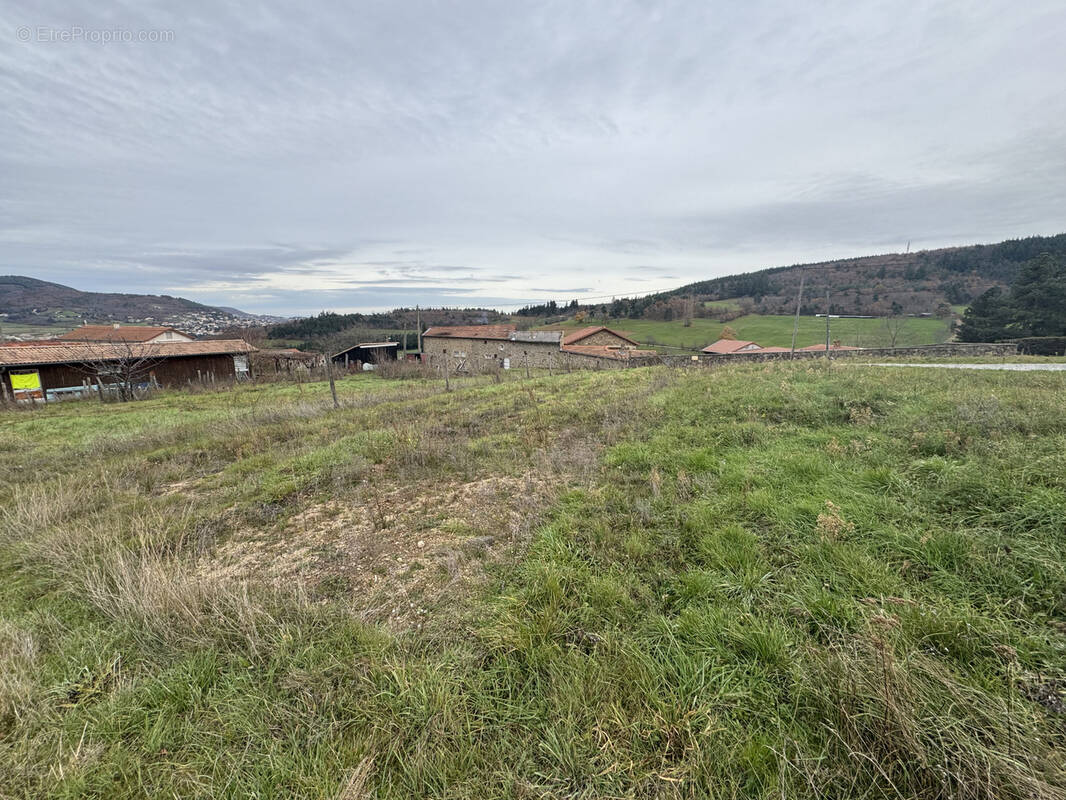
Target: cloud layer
{"type": "Point", "coordinates": [357, 156]}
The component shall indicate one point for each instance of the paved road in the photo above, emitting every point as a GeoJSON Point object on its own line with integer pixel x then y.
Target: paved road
{"type": "Point", "coordinates": [1057, 367]}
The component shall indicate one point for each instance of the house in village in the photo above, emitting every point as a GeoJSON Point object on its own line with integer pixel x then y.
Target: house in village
{"type": "Point", "coordinates": [51, 369]}
{"type": "Point", "coordinates": [124, 333]}
{"type": "Point", "coordinates": [475, 348]}
{"type": "Point", "coordinates": [726, 347]}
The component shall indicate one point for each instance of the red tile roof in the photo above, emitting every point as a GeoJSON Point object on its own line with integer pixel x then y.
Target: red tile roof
{"type": "Point", "coordinates": [727, 346]}
{"type": "Point", "coordinates": [773, 350]}
{"type": "Point", "coordinates": [470, 331]}
{"type": "Point", "coordinates": [605, 351]}
{"type": "Point", "coordinates": [109, 333]}
{"type": "Point", "coordinates": [81, 352]}
{"type": "Point", "coordinates": [584, 333]}
{"type": "Point", "coordinates": [833, 347]}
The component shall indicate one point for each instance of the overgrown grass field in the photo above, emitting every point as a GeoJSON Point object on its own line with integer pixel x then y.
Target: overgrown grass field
{"type": "Point", "coordinates": [776, 331]}
{"type": "Point", "coordinates": [781, 580]}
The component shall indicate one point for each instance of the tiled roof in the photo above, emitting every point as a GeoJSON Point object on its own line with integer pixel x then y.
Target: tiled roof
{"type": "Point", "coordinates": [82, 352]}
{"type": "Point", "coordinates": [109, 333]}
{"type": "Point", "coordinates": [726, 346]}
{"type": "Point", "coordinates": [470, 331]}
{"type": "Point", "coordinates": [833, 347]}
{"type": "Point", "coordinates": [584, 333]}
{"type": "Point", "coordinates": [604, 351]}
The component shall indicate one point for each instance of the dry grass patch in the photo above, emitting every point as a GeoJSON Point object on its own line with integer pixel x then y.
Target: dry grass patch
{"type": "Point", "coordinates": [393, 553]}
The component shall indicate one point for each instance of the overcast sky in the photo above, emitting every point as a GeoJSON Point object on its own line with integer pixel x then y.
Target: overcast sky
{"type": "Point", "coordinates": [289, 158]}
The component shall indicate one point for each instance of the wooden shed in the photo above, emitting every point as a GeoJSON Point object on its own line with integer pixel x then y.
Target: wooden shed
{"type": "Point", "coordinates": [50, 370]}
{"type": "Point", "coordinates": [366, 353]}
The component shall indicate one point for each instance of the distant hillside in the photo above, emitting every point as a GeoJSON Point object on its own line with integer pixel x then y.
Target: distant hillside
{"type": "Point", "coordinates": [923, 282]}
{"type": "Point", "coordinates": [35, 302]}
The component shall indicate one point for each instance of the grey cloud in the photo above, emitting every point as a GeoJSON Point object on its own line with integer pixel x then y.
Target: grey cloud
{"type": "Point", "coordinates": [293, 159]}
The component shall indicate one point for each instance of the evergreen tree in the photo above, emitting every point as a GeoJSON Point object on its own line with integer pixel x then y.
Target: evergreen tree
{"type": "Point", "coordinates": [1038, 298]}
{"type": "Point", "coordinates": [987, 318]}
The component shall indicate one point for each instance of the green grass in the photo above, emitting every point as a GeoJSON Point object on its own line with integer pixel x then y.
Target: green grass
{"type": "Point", "coordinates": [762, 581]}
{"type": "Point", "coordinates": [776, 331]}
{"type": "Point", "coordinates": [13, 328]}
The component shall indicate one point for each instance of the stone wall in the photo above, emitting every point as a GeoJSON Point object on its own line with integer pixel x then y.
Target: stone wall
{"type": "Point", "coordinates": [947, 350]}
{"type": "Point", "coordinates": [477, 356]}
{"type": "Point", "coordinates": [487, 355]}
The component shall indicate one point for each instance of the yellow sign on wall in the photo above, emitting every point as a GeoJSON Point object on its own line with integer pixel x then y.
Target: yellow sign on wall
{"type": "Point", "coordinates": [25, 381]}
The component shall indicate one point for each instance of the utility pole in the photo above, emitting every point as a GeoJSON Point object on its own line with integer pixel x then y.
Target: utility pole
{"type": "Point", "coordinates": [827, 323]}
{"type": "Point", "coordinates": [418, 327]}
{"type": "Point", "coordinates": [795, 324]}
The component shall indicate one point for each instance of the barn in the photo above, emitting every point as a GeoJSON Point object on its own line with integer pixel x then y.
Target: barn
{"type": "Point", "coordinates": [366, 353]}
{"type": "Point", "coordinates": [50, 370]}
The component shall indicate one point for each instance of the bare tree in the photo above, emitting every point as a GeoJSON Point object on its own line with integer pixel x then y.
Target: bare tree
{"type": "Point", "coordinates": [123, 369]}
{"type": "Point", "coordinates": [893, 326]}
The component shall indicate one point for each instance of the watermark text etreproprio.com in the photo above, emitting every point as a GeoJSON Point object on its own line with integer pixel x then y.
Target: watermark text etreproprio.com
{"type": "Point", "coordinates": [77, 33]}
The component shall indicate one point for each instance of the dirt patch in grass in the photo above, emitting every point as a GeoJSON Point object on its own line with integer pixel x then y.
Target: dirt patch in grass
{"type": "Point", "coordinates": [392, 552]}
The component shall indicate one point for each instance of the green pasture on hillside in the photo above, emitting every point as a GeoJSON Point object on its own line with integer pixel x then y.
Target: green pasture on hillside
{"type": "Point", "coordinates": [771, 330]}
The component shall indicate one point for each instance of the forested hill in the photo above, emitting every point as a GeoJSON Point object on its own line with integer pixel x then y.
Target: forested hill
{"type": "Point", "coordinates": [328, 323]}
{"type": "Point", "coordinates": [919, 282]}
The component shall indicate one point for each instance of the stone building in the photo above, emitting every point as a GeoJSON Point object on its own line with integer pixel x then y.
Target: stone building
{"type": "Point", "coordinates": [598, 336]}
{"type": "Point", "coordinates": [600, 342]}
{"type": "Point", "coordinates": [483, 348]}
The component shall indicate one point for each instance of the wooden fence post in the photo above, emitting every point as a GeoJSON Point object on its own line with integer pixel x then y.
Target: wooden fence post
{"type": "Point", "coordinates": [332, 385]}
